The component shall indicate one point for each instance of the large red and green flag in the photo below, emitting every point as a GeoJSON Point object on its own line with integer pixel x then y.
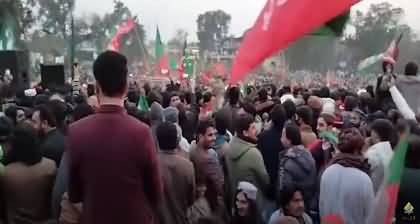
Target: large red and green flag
{"type": "Point", "coordinates": [162, 59]}
{"type": "Point", "coordinates": [125, 28]}
{"type": "Point", "coordinates": [384, 209]}
{"type": "Point", "coordinates": [280, 23]}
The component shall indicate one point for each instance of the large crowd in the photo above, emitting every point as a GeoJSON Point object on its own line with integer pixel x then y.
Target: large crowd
{"type": "Point", "coordinates": [180, 154]}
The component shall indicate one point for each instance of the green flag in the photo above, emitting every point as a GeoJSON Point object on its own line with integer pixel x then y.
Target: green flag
{"type": "Point", "coordinates": [173, 64]}
{"type": "Point", "coordinates": [159, 49]}
{"type": "Point", "coordinates": [334, 27]}
{"type": "Point", "coordinates": [188, 65]}
{"type": "Point", "coordinates": [143, 105]}
{"type": "Point", "coordinates": [384, 208]}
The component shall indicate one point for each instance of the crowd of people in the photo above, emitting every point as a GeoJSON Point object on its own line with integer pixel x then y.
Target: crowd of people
{"type": "Point", "coordinates": [235, 155]}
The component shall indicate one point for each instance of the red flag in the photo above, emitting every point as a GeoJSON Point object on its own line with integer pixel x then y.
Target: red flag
{"type": "Point", "coordinates": [280, 23]}
{"type": "Point", "coordinates": [164, 64]}
{"type": "Point", "coordinates": [123, 29]}
{"type": "Point", "coordinates": [392, 54]}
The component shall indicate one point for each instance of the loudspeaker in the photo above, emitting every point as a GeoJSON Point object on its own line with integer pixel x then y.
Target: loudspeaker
{"type": "Point", "coordinates": [18, 64]}
{"type": "Point", "coordinates": [52, 76]}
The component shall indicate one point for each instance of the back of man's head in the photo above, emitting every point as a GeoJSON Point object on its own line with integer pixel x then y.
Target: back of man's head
{"type": "Point", "coordinates": [167, 136]}
{"type": "Point", "coordinates": [411, 69]}
{"type": "Point", "coordinates": [306, 114]}
{"type": "Point", "coordinates": [383, 128]}
{"type": "Point", "coordinates": [278, 116]}
{"type": "Point", "coordinates": [46, 114]}
{"type": "Point", "coordinates": [242, 123]}
{"type": "Point", "coordinates": [110, 71]}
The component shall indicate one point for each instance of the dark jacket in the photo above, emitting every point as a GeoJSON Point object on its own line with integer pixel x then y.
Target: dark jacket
{"type": "Point", "coordinates": [297, 166]}
{"type": "Point", "coordinates": [178, 188]}
{"type": "Point", "coordinates": [53, 146]}
{"type": "Point", "coordinates": [208, 173]}
{"type": "Point", "coordinates": [113, 168]}
{"type": "Point", "coordinates": [269, 144]}
{"type": "Point", "coordinates": [383, 97]}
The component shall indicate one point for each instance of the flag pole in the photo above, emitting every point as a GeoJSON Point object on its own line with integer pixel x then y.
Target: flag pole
{"type": "Point", "coordinates": [72, 50]}
{"type": "Point", "coordinates": [141, 45]}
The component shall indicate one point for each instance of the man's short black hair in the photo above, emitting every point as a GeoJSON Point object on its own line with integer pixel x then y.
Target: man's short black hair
{"type": "Point", "coordinates": [81, 111]}
{"type": "Point", "coordinates": [290, 109]}
{"type": "Point", "coordinates": [293, 134]}
{"type": "Point", "coordinates": [204, 125]}
{"type": "Point", "coordinates": [411, 69]}
{"type": "Point", "coordinates": [243, 122]}
{"type": "Point", "coordinates": [207, 97]}
{"type": "Point", "coordinates": [223, 120]}
{"type": "Point", "coordinates": [306, 114]}
{"type": "Point", "coordinates": [383, 128]}
{"type": "Point", "coordinates": [110, 71]}
{"type": "Point", "coordinates": [167, 136]}
{"type": "Point", "coordinates": [25, 145]}
{"type": "Point", "coordinates": [45, 114]}
{"type": "Point", "coordinates": [59, 109]}
{"type": "Point", "coordinates": [278, 116]}
{"type": "Point", "coordinates": [324, 92]}
{"type": "Point", "coordinates": [286, 194]}
{"type": "Point", "coordinates": [350, 103]}
{"type": "Point", "coordinates": [233, 94]}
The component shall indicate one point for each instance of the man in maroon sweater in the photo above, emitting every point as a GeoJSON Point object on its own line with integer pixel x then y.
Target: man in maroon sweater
{"type": "Point", "coordinates": [113, 165]}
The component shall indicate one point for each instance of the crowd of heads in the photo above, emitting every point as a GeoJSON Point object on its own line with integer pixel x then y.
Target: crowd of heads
{"type": "Point", "coordinates": [350, 122]}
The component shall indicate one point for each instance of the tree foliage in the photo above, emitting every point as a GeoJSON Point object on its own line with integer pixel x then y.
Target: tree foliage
{"type": "Point", "coordinates": [212, 26]}
{"type": "Point", "coordinates": [54, 16]}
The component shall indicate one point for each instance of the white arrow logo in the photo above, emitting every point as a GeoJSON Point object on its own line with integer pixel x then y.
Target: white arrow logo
{"type": "Point", "coordinates": [269, 13]}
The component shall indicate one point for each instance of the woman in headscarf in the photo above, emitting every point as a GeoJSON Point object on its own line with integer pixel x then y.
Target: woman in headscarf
{"type": "Point", "coordinates": [346, 188]}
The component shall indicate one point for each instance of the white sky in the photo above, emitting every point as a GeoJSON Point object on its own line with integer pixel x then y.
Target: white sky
{"type": "Point", "coordinates": [173, 14]}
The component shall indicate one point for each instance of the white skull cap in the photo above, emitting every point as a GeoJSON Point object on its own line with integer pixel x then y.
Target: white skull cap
{"type": "Point", "coordinates": [249, 189]}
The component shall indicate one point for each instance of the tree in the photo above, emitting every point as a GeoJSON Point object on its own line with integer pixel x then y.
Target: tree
{"type": "Point", "coordinates": [375, 29]}
{"type": "Point", "coordinates": [212, 26]}
{"type": "Point", "coordinates": [15, 18]}
{"type": "Point", "coordinates": [54, 16]}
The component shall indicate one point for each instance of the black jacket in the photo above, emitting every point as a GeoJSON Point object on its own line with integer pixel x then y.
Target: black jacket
{"type": "Point", "coordinates": [270, 146]}
{"type": "Point", "coordinates": [53, 146]}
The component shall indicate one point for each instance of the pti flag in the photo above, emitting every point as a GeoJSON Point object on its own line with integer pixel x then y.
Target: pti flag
{"type": "Point", "coordinates": [123, 29]}
{"type": "Point", "coordinates": [161, 58]}
{"type": "Point", "coordinates": [387, 198]}
{"type": "Point", "coordinates": [280, 23]}
{"type": "Point", "coordinates": [392, 54]}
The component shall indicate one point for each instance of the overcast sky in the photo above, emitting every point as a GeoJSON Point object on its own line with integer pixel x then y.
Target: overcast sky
{"type": "Point", "coordinates": [173, 14]}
